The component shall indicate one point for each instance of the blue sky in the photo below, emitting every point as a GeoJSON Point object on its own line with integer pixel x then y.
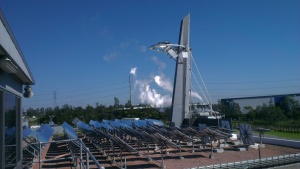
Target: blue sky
{"type": "Point", "coordinates": [84, 50]}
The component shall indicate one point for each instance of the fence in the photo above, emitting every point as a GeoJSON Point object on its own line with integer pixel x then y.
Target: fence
{"type": "Point", "coordinates": [289, 129]}
{"type": "Point", "coordinates": [257, 163]}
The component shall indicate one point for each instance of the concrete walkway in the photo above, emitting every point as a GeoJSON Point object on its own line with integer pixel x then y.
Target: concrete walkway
{"type": "Point", "coordinates": [277, 141]}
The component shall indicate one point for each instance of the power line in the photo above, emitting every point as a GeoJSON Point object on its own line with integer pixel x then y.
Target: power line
{"type": "Point", "coordinates": [78, 95]}
{"type": "Point", "coordinates": [64, 92]}
{"type": "Point", "coordinates": [257, 88]}
{"type": "Point", "coordinates": [74, 101]}
{"type": "Point", "coordinates": [254, 82]}
{"type": "Point", "coordinates": [83, 89]}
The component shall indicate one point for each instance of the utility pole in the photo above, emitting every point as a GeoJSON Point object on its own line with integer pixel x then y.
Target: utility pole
{"type": "Point", "coordinates": [130, 101]}
{"type": "Point", "coordinates": [54, 100]}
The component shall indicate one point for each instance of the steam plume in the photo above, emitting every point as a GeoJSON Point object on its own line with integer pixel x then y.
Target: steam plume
{"type": "Point", "coordinates": [133, 71]}
{"type": "Point", "coordinates": [151, 96]}
{"type": "Point", "coordinates": [196, 95]}
{"type": "Point", "coordinates": [164, 83]}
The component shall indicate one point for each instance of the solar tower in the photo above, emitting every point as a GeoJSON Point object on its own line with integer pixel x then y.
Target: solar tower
{"type": "Point", "coordinates": [182, 81]}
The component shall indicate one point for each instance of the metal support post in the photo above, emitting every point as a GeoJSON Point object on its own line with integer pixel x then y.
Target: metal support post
{"type": "Point", "coordinates": [87, 158]}
{"type": "Point", "coordinates": [40, 156]}
{"type": "Point", "coordinates": [80, 153]}
{"type": "Point", "coordinates": [211, 156]}
{"type": "Point", "coordinates": [193, 149]}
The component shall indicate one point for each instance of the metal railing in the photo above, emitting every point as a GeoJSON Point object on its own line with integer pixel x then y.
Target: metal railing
{"type": "Point", "coordinates": [88, 155]}
{"type": "Point", "coordinates": [257, 163]}
{"type": "Point", "coordinates": [79, 143]}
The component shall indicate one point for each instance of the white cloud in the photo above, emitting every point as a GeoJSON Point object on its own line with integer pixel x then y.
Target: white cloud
{"type": "Point", "coordinates": [110, 57]}
{"type": "Point", "coordinates": [143, 48]}
{"type": "Point", "coordinates": [123, 47]}
{"type": "Point", "coordinates": [134, 44]}
{"type": "Point", "coordinates": [105, 31]}
{"type": "Point", "coordinates": [161, 65]}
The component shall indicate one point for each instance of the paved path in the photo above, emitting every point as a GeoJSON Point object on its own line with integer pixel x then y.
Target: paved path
{"type": "Point", "coordinates": [277, 141]}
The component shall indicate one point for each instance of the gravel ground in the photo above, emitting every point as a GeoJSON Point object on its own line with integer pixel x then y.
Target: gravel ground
{"type": "Point", "coordinates": [172, 159]}
{"type": "Point", "coordinates": [229, 155]}
{"type": "Point", "coordinates": [201, 157]}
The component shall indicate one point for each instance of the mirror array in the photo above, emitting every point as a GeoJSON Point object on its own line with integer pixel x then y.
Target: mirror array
{"type": "Point", "coordinates": [144, 139]}
{"type": "Point", "coordinates": [33, 142]}
{"type": "Point", "coordinates": [114, 137]}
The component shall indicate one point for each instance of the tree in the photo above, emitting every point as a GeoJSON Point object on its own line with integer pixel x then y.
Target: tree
{"type": "Point", "coordinates": [128, 104]}
{"type": "Point", "coordinates": [100, 111]}
{"type": "Point", "coordinates": [291, 107]}
{"type": "Point", "coordinates": [117, 102]}
{"type": "Point", "coordinates": [58, 118]}
{"type": "Point", "coordinates": [224, 109]}
{"type": "Point", "coordinates": [67, 113]}
{"type": "Point", "coordinates": [269, 113]}
{"type": "Point", "coordinates": [90, 113]}
{"type": "Point", "coordinates": [43, 120]}
{"type": "Point", "coordinates": [237, 113]}
{"type": "Point", "coordinates": [250, 113]}
{"type": "Point", "coordinates": [247, 109]}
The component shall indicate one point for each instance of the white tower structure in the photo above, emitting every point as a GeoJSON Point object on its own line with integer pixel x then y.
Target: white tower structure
{"type": "Point", "coordinates": [182, 80]}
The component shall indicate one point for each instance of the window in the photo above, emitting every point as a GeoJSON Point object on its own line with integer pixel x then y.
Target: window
{"type": "Point", "coordinates": [11, 109]}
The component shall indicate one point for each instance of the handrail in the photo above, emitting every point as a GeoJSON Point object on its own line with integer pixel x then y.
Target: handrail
{"type": "Point", "coordinates": [78, 142]}
{"type": "Point", "coordinates": [58, 141]}
{"type": "Point", "coordinates": [91, 155]}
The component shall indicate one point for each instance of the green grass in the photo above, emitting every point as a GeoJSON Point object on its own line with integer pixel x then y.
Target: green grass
{"type": "Point", "coordinates": [284, 135]}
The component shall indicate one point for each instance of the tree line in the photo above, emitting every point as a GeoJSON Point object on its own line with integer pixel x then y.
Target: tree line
{"type": "Point", "coordinates": [67, 113]}
{"type": "Point", "coordinates": [286, 110]}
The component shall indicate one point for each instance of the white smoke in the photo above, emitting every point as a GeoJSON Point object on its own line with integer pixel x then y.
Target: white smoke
{"type": "Point", "coordinates": [154, 97]}
{"type": "Point", "coordinates": [163, 82]}
{"type": "Point", "coordinates": [133, 71]}
{"type": "Point", "coordinates": [196, 95]}
{"type": "Point", "coordinates": [151, 96]}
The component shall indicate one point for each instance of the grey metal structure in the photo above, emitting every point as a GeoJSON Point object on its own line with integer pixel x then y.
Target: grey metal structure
{"type": "Point", "coordinates": [182, 80]}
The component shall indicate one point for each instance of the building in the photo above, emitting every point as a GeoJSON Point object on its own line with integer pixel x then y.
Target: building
{"type": "Point", "coordinates": [14, 74]}
{"type": "Point", "coordinates": [258, 100]}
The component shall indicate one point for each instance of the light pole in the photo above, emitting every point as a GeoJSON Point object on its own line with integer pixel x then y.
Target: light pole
{"type": "Point", "coordinates": [172, 50]}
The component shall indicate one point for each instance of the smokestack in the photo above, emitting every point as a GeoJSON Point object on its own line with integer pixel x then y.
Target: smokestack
{"type": "Point", "coordinates": [130, 97]}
